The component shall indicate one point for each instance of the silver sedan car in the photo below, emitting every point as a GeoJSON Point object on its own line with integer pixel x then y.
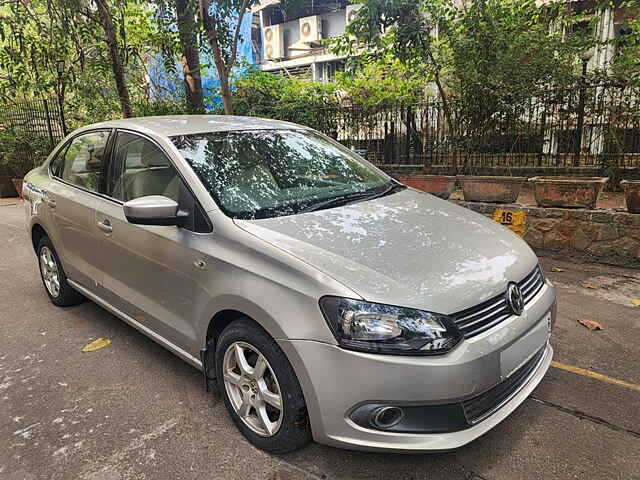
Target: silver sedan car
{"type": "Point", "coordinates": [323, 299]}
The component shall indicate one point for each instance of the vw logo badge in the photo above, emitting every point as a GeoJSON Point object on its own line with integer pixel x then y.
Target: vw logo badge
{"type": "Point", "coordinates": [514, 299]}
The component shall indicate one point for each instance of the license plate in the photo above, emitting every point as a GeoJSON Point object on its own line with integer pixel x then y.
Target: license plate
{"type": "Point", "coordinates": [523, 349]}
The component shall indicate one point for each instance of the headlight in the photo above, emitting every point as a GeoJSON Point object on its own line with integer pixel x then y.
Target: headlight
{"type": "Point", "coordinates": [378, 328]}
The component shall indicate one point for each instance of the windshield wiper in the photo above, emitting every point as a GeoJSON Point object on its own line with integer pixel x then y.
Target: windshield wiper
{"type": "Point", "coordinates": [333, 202]}
{"type": "Point", "coordinates": [393, 187]}
{"type": "Point", "coordinates": [347, 199]}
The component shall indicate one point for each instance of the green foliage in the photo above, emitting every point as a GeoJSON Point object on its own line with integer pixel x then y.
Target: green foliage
{"type": "Point", "coordinates": [56, 48]}
{"type": "Point", "coordinates": [283, 98]}
{"type": "Point", "coordinates": [19, 152]}
{"type": "Point", "coordinates": [163, 106]}
{"type": "Point", "coordinates": [491, 55]}
{"type": "Point", "coordinates": [625, 66]}
{"type": "Point", "coordinates": [503, 52]}
{"type": "Point", "coordinates": [382, 81]}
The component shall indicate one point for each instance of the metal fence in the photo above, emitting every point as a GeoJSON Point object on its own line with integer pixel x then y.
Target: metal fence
{"type": "Point", "coordinates": [36, 117]}
{"type": "Point", "coordinates": [587, 126]}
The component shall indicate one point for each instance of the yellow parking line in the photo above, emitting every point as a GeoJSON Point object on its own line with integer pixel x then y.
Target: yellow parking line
{"type": "Point", "coordinates": [597, 376]}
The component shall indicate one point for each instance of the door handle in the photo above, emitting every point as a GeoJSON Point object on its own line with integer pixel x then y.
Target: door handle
{"type": "Point", "coordinates": [48, 200]}
{"type": "Point", "coordinates": [105, 226]}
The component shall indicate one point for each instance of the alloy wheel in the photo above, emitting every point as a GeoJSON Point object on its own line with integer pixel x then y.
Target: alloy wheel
{"type": "Point", "coordinates": [252, 388]}
{"type": "Point", "coordinates": [50, 274]}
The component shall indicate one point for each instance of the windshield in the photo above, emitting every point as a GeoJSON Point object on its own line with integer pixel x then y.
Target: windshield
{"type": "Point", "coordinates": [268, 173]}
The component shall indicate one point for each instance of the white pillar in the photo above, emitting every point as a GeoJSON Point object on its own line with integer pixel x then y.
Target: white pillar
{"type": "Point", "coordinates": [605, 33]}
{"type": "Point", "coordinates": [550, 141]}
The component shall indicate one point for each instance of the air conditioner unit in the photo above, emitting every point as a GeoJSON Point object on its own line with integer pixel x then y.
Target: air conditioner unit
{"type": "Point", "coordinates": [273, 42]}
{"type": "Point", "coordinates": [310, 29]}
{"type": "Point", "coordinates": [352, 11]}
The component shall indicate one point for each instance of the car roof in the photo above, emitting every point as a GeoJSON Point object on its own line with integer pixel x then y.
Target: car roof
{"type": "Point", "coordinates": [171, 125]}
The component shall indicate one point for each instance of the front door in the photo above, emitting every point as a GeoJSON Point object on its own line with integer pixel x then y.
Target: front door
{"type": "Point", "coordinates": [72, 198]}
{"type": "Point", "coordinates": [149, 273]}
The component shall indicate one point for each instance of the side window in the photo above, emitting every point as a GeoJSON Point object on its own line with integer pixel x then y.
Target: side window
{"type": "Point", "coordinates": [82, 164]}
{"type": "Point", "coordinates": [139, 168]}
{"type": "Point", "coordinates": [56, 164]}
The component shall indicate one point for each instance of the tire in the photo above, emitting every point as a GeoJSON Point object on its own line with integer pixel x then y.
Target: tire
{"type": "Point", "coordinates": [60, 292]}
{"type": "Point", "coordinates": [290, 428]}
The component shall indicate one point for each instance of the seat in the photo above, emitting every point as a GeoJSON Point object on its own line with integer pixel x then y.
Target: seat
{"type": "Point", "coordinates": [157, 178]}
{"type": "Point", "coordinates": [253, 187]}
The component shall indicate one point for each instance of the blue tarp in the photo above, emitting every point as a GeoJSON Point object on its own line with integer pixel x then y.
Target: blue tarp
{"type": "Point", "coordinates": [170, 85]}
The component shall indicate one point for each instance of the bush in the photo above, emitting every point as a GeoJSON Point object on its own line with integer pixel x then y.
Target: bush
{"type": "Point", "coordinates": [159, 107]}
{"type": "Point", "coordinates": [20, 152]}
{"type": "Point", "coordinates": [384, 81]}
{"type": "Point", "coordinates": [263, 94]}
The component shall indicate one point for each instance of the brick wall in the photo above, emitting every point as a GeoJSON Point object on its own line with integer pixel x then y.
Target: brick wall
{"type": "Point", "coordinates": [608, 236]}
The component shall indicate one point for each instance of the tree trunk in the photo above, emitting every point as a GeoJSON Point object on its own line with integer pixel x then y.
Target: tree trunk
{"type": "Point", "coordinates": [225, 92]}
{"type": "Point", "coordinates": [114, 54]}
{"type": "Point", "coordinates": [223, 67]}
{"type": "Point", "coordinates": [188, 33]}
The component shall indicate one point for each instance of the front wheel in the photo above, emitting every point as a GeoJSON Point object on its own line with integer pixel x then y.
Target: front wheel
{"type": "Point", "coordinates": [260, 389]}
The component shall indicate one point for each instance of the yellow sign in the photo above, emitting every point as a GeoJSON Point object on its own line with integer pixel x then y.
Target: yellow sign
{"type": "Point", "coordinates": [514, 220]}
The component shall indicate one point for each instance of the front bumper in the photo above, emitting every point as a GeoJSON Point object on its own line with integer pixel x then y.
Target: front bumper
{"type": "Point", "coordinates": [335, 381]}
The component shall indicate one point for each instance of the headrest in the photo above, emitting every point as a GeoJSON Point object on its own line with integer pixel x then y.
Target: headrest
{"type": "Point", "coordinates": [151, 156]}
{"type": "Point", "coordinates": [94, 159]}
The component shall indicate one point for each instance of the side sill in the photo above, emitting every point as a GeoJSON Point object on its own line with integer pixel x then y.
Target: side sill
{"type": "Point", "coordinates": [179, 352]}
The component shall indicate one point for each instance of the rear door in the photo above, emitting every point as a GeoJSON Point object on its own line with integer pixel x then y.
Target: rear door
{"type": "Point", "coordinates": [150, 272]}
{"type": "Point", "coordinates": [72, 197]}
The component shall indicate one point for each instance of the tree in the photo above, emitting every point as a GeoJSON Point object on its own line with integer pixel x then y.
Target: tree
{"type": "Point", "coordinates": [405, 29]}
{"type": "Point", "coordinates": [110, 39]}
{"type": "Point", "coordinates": [625, 65]}
{"type": "Point", "coordinates": [383, 81]}
{"type": "Point", "coordinates": [68, 48]}
{"type": "Point", "coordinates": [491, 55]}
{"type": "Point", "coordinates": [222, 25]}
{"type": "Point", "coordinates": [36, 39]}
{"type": "Point", "coordinates": [190, 48]}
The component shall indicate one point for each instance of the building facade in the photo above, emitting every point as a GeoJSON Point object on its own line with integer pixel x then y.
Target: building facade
{"type": "Point", "coordinates": [291, 43]}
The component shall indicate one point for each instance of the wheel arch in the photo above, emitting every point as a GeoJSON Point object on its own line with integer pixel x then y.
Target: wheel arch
{"type": "Point", "coordinates": [220, 321]}
{"type": "Point", "coordinates": [227, 309]}
{"type": "Point", "coordinates": [37, 233]}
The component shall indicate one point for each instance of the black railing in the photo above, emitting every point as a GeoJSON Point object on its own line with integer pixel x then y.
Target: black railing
{"type": "Point", "coordinates": [593, 126]}
{"type": "Point", "coordinates": [586, 126]}
{"type": "Point", "coordinates": [41, 117]}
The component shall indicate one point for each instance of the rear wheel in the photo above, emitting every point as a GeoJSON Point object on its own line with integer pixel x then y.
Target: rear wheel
{"type": "Point", "coordinates": [260, 389]}
{"type": "Point", "coordinates": [53, 276]}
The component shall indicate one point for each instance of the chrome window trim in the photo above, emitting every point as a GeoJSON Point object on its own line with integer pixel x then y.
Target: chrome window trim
{"type": "Point", "coordinates": [171, 162]}
{"type": "Point", "coordinates": [113, 135]}
{"type": "Point", "coordinates": [66, 144]}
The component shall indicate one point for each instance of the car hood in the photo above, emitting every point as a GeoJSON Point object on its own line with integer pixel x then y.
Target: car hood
{"type": "Point", "coordinates": [409, 249]}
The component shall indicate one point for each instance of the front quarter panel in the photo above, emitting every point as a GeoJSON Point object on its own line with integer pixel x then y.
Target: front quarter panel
{"type": "Point", "coordinates": [275, 289]}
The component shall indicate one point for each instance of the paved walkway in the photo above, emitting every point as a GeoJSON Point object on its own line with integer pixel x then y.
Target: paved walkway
{"type": "Point", "coordinates": [6, 201]}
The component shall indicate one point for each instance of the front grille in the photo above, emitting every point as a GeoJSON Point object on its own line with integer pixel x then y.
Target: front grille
{"type": "Point", "coordinates": [475, 320]}
{"type": "Point", "coordinates": [479, 407]}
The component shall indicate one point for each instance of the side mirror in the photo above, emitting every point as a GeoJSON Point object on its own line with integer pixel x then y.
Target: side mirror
{"type": "Point", "coordinates": [153, 210]}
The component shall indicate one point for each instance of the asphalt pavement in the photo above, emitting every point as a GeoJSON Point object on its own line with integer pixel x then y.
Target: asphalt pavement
{"type": "Point", "coordinates": [132, 410]}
